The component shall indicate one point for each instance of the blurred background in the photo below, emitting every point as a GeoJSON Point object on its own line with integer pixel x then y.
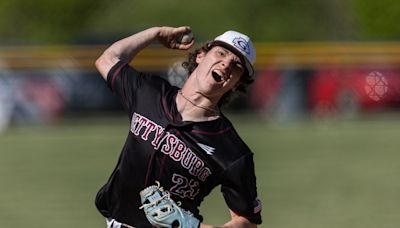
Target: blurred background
{"type": "Point", "coordinates": [322, 117]}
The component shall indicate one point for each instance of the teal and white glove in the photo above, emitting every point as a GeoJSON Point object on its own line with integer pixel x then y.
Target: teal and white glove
{"type": "Point", "coordinates": [162, 211]}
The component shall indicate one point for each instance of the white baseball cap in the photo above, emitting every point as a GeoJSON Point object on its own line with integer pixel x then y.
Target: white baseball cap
{"type": "Point", "coordinates": [241, 45]}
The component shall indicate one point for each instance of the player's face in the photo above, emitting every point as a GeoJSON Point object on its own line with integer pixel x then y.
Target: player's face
{"type": "Point", "coordinates": [218, 71]}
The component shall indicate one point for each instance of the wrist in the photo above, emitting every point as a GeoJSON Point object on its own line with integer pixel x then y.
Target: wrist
{"type": "Point", "coordinates": [154, 32]}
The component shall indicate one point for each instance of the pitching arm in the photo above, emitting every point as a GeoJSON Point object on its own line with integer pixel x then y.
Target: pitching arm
{"type": "Point", "coordinates": [126, 49]}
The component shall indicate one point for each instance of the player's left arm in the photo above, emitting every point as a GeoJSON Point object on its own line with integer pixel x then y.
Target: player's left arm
{"type": "Point", "coordinates": [240, 193]}
{"type": "Point", "coordinates": [236, 221]}
{"type": "Point", "coordinates": [161, 210]}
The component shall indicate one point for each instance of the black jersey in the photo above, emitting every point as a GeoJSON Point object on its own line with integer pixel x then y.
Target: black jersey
{"type": "Point", "coordinates": [189, 159]}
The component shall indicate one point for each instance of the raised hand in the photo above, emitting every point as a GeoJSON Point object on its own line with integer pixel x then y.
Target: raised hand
{"type": "Point", "coordinates": [176, 38]}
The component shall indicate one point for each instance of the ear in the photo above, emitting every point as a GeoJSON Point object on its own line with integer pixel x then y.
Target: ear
{"type": "Point", "coordinates": [200, 56]}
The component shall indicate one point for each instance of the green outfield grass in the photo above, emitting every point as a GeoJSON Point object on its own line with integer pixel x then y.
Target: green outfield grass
{"type": "Point", "coordinates": [310, 174]}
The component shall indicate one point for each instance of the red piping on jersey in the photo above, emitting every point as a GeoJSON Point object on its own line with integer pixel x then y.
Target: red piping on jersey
{"type": "Point", "coordinates": [211, 133]}
{"type": "Point", "coordinates": [115, 75]}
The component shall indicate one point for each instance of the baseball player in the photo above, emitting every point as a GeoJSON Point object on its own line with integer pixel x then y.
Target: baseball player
{"type": "Point", "coordinates": [180, 145]}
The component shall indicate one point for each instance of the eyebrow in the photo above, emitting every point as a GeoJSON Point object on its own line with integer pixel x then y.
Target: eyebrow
{"type": "Point", "coordinates": [229, 51]}
{"type": "Point", "coordinates": [224, 49]}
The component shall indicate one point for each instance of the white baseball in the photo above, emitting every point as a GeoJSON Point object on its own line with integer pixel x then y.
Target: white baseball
{"type": "Point", "coordinates": [186, 38]}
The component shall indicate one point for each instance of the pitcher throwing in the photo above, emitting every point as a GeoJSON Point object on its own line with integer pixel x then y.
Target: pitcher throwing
{"type": "Point", "coordinates": [180, 145]}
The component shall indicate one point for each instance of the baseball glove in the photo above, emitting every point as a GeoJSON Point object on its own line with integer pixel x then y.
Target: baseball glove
{"type": "Point", "coordinates": [162, 211]}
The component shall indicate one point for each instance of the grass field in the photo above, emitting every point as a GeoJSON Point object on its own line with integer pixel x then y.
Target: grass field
{"type": "Point", "coordinates": [310, 174]}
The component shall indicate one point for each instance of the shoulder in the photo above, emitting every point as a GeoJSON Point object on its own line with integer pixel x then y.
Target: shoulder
{"type": "Point", "coordinates": [222, 137]}
{"type": "Point", "coordinates": [234, 141]}
{"type": "Point", "coordinates": [124, 73]}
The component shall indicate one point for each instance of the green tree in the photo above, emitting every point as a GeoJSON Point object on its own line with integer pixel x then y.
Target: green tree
{"type": "Point", "coordinates": [43, 21]}
{"type": "Point", "coordinates": [377, 20]}
{"type": "Point", "coordinates": [64, 21]}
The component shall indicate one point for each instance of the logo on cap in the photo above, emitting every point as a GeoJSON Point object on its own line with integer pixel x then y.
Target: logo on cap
{"type": "Point", "coordinates": [241, 44]}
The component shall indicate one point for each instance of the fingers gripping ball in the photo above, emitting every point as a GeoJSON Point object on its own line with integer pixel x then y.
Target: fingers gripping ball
{"type": "Point", "coordinates": [185, 38]}
{"type": "Point", "coordinates": [162, 211]}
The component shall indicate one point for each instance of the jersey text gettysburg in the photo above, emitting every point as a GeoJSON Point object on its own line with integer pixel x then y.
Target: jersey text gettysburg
{"type": "Point", "coordinates": [170, 145]}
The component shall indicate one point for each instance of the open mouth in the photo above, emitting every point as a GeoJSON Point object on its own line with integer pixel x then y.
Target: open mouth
{"type": "Point", "coordinates": [216, 76]}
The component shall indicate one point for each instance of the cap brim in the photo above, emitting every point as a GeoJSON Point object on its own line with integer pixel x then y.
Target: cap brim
{"type": "Point", "coordinates": [248, 65]}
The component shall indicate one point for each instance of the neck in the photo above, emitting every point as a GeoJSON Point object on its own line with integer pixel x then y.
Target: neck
{"type": "Point", "coordinates": [195, 107]}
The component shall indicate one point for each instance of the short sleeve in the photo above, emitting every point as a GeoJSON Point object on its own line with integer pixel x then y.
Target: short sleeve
{"type": "Point", "coordinates": [135, 89]}
{"type": "Point", "coordinates": [123, 81]}
{"type": "Point", "coordinates": [240, 191]}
